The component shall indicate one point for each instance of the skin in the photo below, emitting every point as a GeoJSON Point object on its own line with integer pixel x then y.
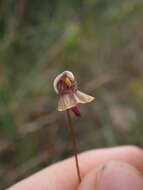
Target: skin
{"type": "Point", "coordinates": [62, 175]}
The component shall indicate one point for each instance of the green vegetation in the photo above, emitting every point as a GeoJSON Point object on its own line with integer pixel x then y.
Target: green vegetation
{"type": "Point", "coordinates": [101, 42]}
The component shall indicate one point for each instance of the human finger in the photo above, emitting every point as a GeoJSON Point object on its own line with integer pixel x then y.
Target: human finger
{"type": "Point", "coordinates": [62, 175]}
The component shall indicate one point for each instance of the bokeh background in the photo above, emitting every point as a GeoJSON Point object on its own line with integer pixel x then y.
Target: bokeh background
{"type": "Point", "coordinates": [101, 41]}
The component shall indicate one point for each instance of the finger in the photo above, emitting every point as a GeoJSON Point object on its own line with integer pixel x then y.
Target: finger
{"type": "Point", "coordinates": [62, 176]}
{"type": "Point", "coordinates": [113, 175]}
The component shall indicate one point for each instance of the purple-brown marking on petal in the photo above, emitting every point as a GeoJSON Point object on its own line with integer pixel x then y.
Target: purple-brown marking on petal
{"type": "Point", "coordinates": [63, 88]}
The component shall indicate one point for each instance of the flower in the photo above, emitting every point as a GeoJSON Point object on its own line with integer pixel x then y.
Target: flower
{"type": "Point", "coordinates": [65, 86]}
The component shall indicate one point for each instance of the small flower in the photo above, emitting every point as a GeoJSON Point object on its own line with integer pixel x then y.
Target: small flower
{"type": "Point", "coordinates": [65, 86]}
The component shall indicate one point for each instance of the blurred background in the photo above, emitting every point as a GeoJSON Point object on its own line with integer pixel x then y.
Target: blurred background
{"type": "Point", "coordinates": [101, 42]}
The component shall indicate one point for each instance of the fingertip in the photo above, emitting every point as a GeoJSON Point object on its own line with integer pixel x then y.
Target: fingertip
{"type": "Point", "coordinates": [113, 175]}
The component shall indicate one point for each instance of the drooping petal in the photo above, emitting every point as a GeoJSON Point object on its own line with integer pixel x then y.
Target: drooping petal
{"type": "Point", "coordinates": [66, 101]}
{"type": "Point", "coordinates": [70, 100]}
{"type": "Point", "coordinates": [82, 97]}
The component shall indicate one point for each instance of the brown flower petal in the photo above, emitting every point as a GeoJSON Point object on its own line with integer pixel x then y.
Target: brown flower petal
{"type": "Point", "coordinates": [66, 101]}
{"type": "Point", "coordinates": [70, 100]}
{"type": "Point", "coordinates": [82, 97]}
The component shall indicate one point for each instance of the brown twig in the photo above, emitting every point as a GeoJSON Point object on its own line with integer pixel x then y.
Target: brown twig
{"type": "Point", "coordinates": [74, 144]}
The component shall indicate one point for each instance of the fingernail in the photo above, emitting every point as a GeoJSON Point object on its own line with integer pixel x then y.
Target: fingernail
{"type": "Point", "coordinates": [114, 176]}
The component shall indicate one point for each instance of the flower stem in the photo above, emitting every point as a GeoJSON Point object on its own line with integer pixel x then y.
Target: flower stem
{"type": "Point", "coordinates": [74, 144]}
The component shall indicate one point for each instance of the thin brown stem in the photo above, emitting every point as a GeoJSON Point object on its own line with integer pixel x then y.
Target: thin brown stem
{"type": "Point", "coordinates": [74, 144]}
